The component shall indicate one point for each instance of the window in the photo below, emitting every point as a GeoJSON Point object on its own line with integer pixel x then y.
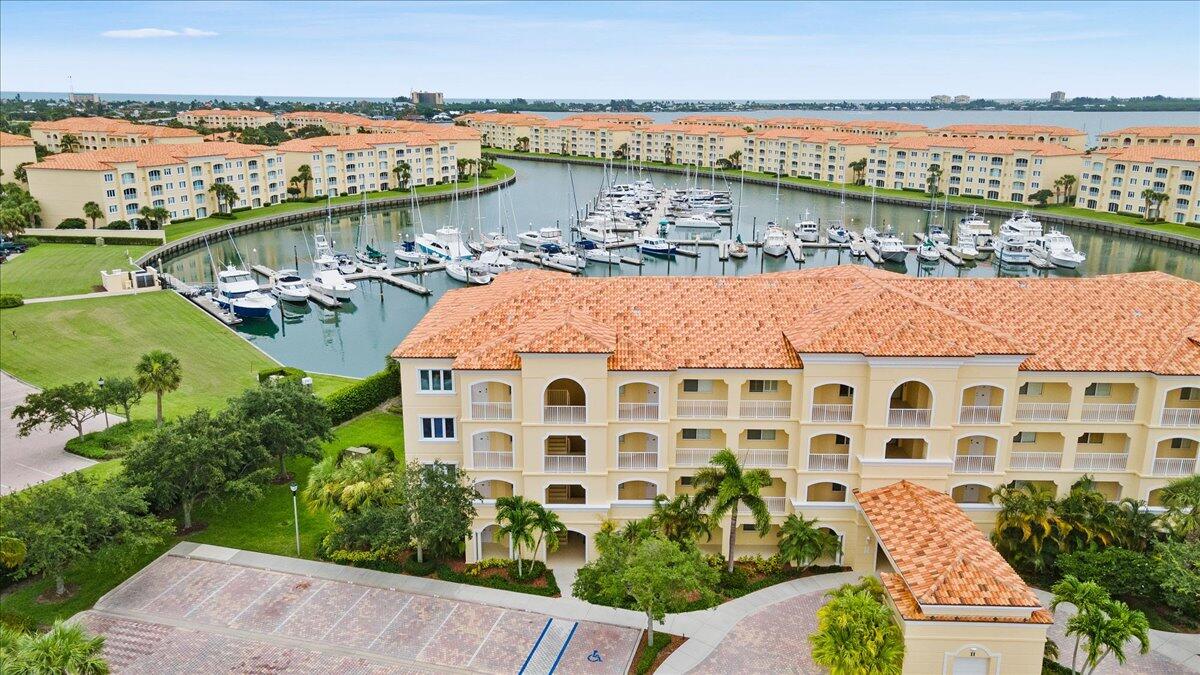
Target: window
{"type": "Point", "coordinates": [108, 178]}
{"type": "Point", "coordinates": [1031, 389]}
{"type": "Point", "coordinates": [839, 439]}
{"type": "Point", "coordinates": [437, 428]}
{"type": "Point", "coordinates": [1179, 443]}
{"type": "Point", "coordinates": [1100, 389]}
{"type": "Point", "coordinates": [763, 386]}
{"type": "Point", "coordinates": [1091, 438]}
{"type": "Point", "coordinates": [760, 434]}
{"type": "Point", "coordinates": [696, 434]}
{"type": "Point", "coordinates": [748, 527]}
{"type": "Point", "coordinates": [1189, 394]}
{"type": "Point", "coordinates": [702, 386]}
{"type": "Point", "coordinates": [1025, 437]}
{"type": "Point", "coordinates": [845, 391]}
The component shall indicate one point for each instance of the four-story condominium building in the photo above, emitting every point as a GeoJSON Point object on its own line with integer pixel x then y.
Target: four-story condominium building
{"type": "Point", "coordinates": [350, 164]}
{"type": "Point", "coordinates": [594, 395]}
{"type": "Point", "coordinates": [100, 133]}
{"type": "Point", "coordinates": [1129, 136]}
{"type": "Point", "coordinates": [217, 118]}
{"type": "Point", "coordinates": [1076, 139]}
{"type": "Point", "coordinates": [1116, 180]}
{"type": "Point", "coordinates": [14, 151]}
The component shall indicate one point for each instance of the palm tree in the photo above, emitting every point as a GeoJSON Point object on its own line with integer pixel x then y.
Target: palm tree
{"type": "Point", "coordinates": [1058, 188]}
{"type": "Point", "coordinates": [92, 211]}
{"type": "Point", "coordinates": [549, 528]}
{"type": "Point", "coordinates": [1182, 499]}
{"type": "Point", "coordinates": [622, 151]}
{"type": "Point", "coordinates": [20, 173]}
{"type": "Point", "coordinates": [725, 487]}
{"type": "Point", "coordinates": [735, 159]}
{"type": "Point", "coordinates": [859, 167]}
{"type": "Point", "coordinates": [934, 179]}
{"type": "Point", "coordinates": [1105, 629]}
{"type": "Point", "coordinates": [22, 207]}
{"type": "Point", "coordinates": [679, 519]}
{"type": "Point", "coordinates": [1068, 182]}
{"type": "Point", "coordinates": [12, 222]}
{"type": "Point", "coordinates": [523, 144]}
{"type": "Point", "coordinates": [69, 143]}
{"type": "Point", "coordinates": [668, 153]}
{"type": "Point", "coordinates": [226, 195]}
{"type": "Point", "coordinates": [857, 635]}
{"type": "Point", "coordinates": [1159, 198]}
{"type": "Point", "coordinates": [352, 484]}
{"type": "Point", "coordinates": [403, 173]}
{"type": "Point", "coordinates": [159, 372]}
{"type": "Point", "coordinates": [517, 519]}
{"type": "Point", "coordinates": [65, 648]}
{"type": "Point", "coordinates": [1137, 527]}
{"type": "Point", "coordinates": [304, 173]}
{"type": "Point", "coordinates": [155, 215]}
{"type": "Point", "coordinates": [1148, 198]}
{"type": "Point", "coordinates": [802, 542]}
{"type": "Point", "coordinates": [1026, 523]}
{"type": "Point", "coordinates": [1085, 595]}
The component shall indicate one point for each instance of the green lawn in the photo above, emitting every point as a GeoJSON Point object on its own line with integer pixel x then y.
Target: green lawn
{"type": "Point", "coordinates": [181, 230]}
{"type": "Point", "coordinates": [375, 428]}
{"type": "Point", "coordinates": [64, 269]}
{"type": "Point", "coordinates": [57, 343]}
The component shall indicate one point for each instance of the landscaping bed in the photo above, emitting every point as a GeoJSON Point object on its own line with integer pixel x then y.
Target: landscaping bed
{"type": "Point", "coordinates": [648, 658]}
{"type": "Point", "coordinates": [755, 573]}
{"type": "Point", "coordinates": [111, 443]}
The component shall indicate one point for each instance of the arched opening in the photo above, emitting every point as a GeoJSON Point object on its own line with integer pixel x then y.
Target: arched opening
{"type": "Point", "coordinates": [636, 490]}
{"type": "Point", "coordinates": [981, 404]}
{"type": "Point", "coordinates": [972, 493]}
{"type": "Point", "coordinates": [910, 405]}
{"type": "Point", "coordinates": [1111, 489]}
{"type": "Point", "coordinates": [566, 494]}
{"type": "Point", "coordinates": [491, 401]}
{"type": "Point", "coordinates": [491, 544]}
{"type": "Point", "coordinates": [829, 452]}
{"type": "Point", "coordinates": [565, 454]}
{"type": "Point", "coordinates": [834, 559]}
{"type": "Point", "coordinates": [491, 450]}
{"type": "Point", "coordinates": [1155, 498]}
{"type": "Point", "coordinates": [638, 401]}
{"type": "Point", "coordinates": [906, 448]}
{"type": "Point", "coordinates": [1043, 485]}
{"type": "Point", "coordinates": [1095, 451]}
{"type": "Point", "coordinates": [570, 555]}
{"type": "Point", "coordinates": [1036, 451]}
{"type": "Point", "coordinates": [565, 402]}
{"type": "Point", "coordinates": [1175, 457]}
{"type": "Point", "coordinates": [494, 489]}
{"type": "Point", "coordinates": [826, 491]}
{"type": "Point", "coordinates": [975, 454]}
{"type": "Point", "coordinates": [1182, 407]}
{"type": "Point", "coordinates": [637, 450]}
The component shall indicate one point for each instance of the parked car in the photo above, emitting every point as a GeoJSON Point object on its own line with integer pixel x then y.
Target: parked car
{"type": "Point", "coordinates": [8, 246]}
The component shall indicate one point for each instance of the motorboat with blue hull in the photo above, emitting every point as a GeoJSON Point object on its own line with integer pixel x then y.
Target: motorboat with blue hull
{"type": "Point", "coordinates": [237, 292]}
{"type": "Point", "coordinates": [656, 246]}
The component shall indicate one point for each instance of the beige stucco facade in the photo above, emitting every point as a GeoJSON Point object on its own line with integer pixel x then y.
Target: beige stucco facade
{"type": "Point", "coordinates": [14, 151]}
{"type": "Point", "coordinates": [1188, 137]}
{"type": "Point", "coordinates": [1113, 180]}
{"type": "Point", "coordinates": [695, 145]}
{"type": "Point", "coordinates": [810, 154]}
{"type": "Point", "coordinates": [352, 164]}
{"type": "Point", "coordinates": [100, 133]}
{"type": "Point", "coordinates": [1076, 139]}
{"type": "Point", "coordinates": [215, 118]}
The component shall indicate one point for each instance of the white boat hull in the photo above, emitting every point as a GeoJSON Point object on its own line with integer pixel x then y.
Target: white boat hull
{"type": "Point", "coordinates": [290, 295]}
{"type": "Point", "coordinates": [1065, 262]}
{"type": "Point", "coordinates": [460, 273]}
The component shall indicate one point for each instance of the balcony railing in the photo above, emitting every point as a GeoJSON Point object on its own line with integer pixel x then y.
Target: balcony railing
{"type": "Point", "coordinates": [564, 414]}
{"type": "Point", "coordinates": [1181, 417]}
{"type": "Point", "coordinates": [637, 460]}
{"type": "Point", "coordinates": [765, 410]}
{"type": "Point", "coordinates": [492, 459]}
{"type": "Point", "coordinates": [1174, 466]}
{"type": "Point", "coordinates": [974, 464]}
{"type": "Point", "coordinates": [819, 461]}
{"type": "Point", "coordinates": [979, 414]}
{"type": "Point", "coordinates": [1108, 412]}
{"type": "Point", "coordinates": [694, 456]}
{"type": "Point", "coordinates": [566, 463]}
{"type": "Point", "coordinates": [1035, 461]}
{"type": "Point", "coordinates": [764, 459]}
{"type": "Point", "coordinates": [776, 506]}
{"type": "Point", "coordinates": [909, 417]}
{"type": "Point", "coordinates": [491, 410]}
{"type": "Point", "coordinates": [703, 409]}
{"type": "Point", "coordinates": [832, 412]}
{"type": "Point", "coordinates": [1101, 461]}
{"type": "Point", "coordinates": [637, 411]}
{"type": "Point", "coordinates": [1042, 412]}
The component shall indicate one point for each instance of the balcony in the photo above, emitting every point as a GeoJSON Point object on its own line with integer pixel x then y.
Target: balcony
{"type": "Point", "coordinates": [974, 464]}
{"type": "Point", "coordinates": [1101, 461]}
{"type": "Point", "coordinates": [564, 414]}
{"type": "Point", "coordinates": [698, 409]}
{"type": "Point", "coordinates": [1035, 461]}
{"type": "Point", "coordinates": [776, 506]}
{"type": "Point", "coordinates": [491, 410]}
{"type": "Point", "coordinates": [492, 459]}
{"type": "Point", "coordinates": [909, 417]}
{"type": "Point", "coordinates": [637, 460]}
{"type": "Point", "coordinates": [1042, 412]}
{"type": "Point", "coordinates": [1181, 417]}
{"type": "Point", "coordinates": [832, 412]}
{"type": "Point", "coordinates": [694, 456]}
{"type": "Point", "coordinates": [637, 412]}
{"type": "Point", "coordinates": [1108, 412]}
{"type": "Point", "coordinates": [565, 463]}
{"type": "Point", "coordinates": [828, 462]}
{"type": "Point", "coordinates": [765, 410]}
{"type": "Point", "coordinates": [979, 414]}
{"type": "Point", "coordinates": [764, 459]}
{"type": "Point", "coordinates": [1174, 466]}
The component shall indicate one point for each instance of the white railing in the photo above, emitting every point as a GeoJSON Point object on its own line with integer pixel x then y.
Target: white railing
{"type": "Point", "coordinates": [694, 456]}
{"type": "Point", "coordinates": [765, 410]}
{"type": "Point", "coordinates": [974, 464]}
{"type": "Point", "coordinates": [1181, 417]}
{"type": "Point", "coordinates": [566, 463]}
{"type": "Point", "coordinates": [564, 414]}
{"type": "Point", "coordinates": [1035, 461]}
{"type": "Point", "coordinates": [491, 410]}
{"type": "Point", "coordinates": [637, 411]}
{"type": "Point", "coordinates": [979, 414]}
{"type": "Point", "coordinates": [832, 412]}
{"type": "Point", "coordinates": [1042, 412]}
{"type": "Point", "coordinates": [703, 409]}
{"type": "Point", "coordinates": [819, 461]}
{"type": "Point", "coordinates": [909, 417]}
{"type": "Point", "coordinates": [776, 506]}
{"type": "Point", "coordinates": [1101, 461]}
{"type": "Point", "coordinates": [637, 460]}
{"type": "Point", "coordinates": [1108, 412]}
{"type": "Point", "coordinates": [492, 459]}
{"type": "Point", "coordinates": [764, 459]}
{"type": "Point", "coordinates": [1174, 466]}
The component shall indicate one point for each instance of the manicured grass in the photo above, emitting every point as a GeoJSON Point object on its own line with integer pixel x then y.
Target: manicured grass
{"type": "Point", "coordinates": [64, 269]}
{"type": "Point", "coordinates": [181, 230]}
{"type": "Point", "coordinates": [383, 429]}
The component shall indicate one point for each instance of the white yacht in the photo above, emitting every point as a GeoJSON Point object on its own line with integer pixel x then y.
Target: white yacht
{"type": "Point", "coordinates": [838, 233]}
{"type": "Point", "coordinates": [544, 235]}
{"type": "Point", "coordinates": [656, 246]}
{"type": "Point", "coordinates": [1023, 226]}
{"type": "Point", "coordinates": [331, 282]}
{"type": "Point", "coordinates": [598, 234]}
{"type": "Point", "coordinates": [927, 250]}
{"type": "Point", "coordinates": [468, 272]}
{"type": "Point", "coordinates": [288, 286]}
{"type": "Point", "coordinates": [553, 253]}
{"type": "Point", "coordinates": [1011, 250]}
{"type": "Point", "coordinates": [807, 229]}
{"type": "Point", "coordinates": [238, 292]}
{"type": "Point", "coordinates": [938, 235]}
{"type": "Point", "coordinates": [498, 240]}
{"type": "Point", "coordinates": [1057, 248]}
{"type": "Point", "coordinates": [592, 251]}
{"type": "Point", "coordinates": [697, 222]}
{"type": "Point", "coordinates": [409, 253]}
{"type": "Point", "coordinates": [964, 246]}
{"type": "Point", "coordinates": [444, 244]}
{"type": "Point", "coordinates": [889, 247]}
{"type": "Point", "coordinates": [738, 249]}
{"type": "Point", "coordinates": [774, 241]}
{"type": "Point", "coordinates": [495, 261]}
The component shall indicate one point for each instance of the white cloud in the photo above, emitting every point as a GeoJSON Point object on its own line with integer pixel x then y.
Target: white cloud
{"type": "Point", "coordinates": [142, 33]}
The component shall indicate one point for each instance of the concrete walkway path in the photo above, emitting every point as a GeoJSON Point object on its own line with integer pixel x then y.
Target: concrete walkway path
{"type": "Point", "coordinates": [89, 296]}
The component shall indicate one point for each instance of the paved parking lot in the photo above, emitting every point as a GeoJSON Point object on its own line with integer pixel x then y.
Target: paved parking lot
{"type": "Point", "coordinates": [40, 455]}
{"type": "Point", "coordinates": [187, 615]}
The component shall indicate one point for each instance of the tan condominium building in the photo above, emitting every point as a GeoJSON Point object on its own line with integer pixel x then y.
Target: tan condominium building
{"type": "Point", "coordinates": [465, 141]}
{"type": "Point", "coordinates": [1076, 139]}
{"type": "Point", "coordinates": [821, 155]}
{"type": "Point", "coordinates": [216, 118]}
{"type": "Point", "coordinates": [333, 122]}
{"type": "Point", "coordinates": [883, 128]}
{"type": "Point", "coordinates": [628, 119]}
{"type": "Point", "coordinates": [509, 131]}
{"type": "Point", "coordinates": [732, 121]}
{"type": "Point", "coordinates": [703, 146]}
{"type": "Point", "coordinates": [1114, 180]}
{"type": "Point", "coordinates": [595, 395]}
{"type": "Point", "coordinates": [1129, 136]}
{"type": "Point", "coordinates": [583, 137]}
{"type": "Point", "coordinates": [100, 133]}
{"type": "Point", "coordinates": [350, 164]}
{"type": "Point", "coordinates": [175, 177]}
{"type": "Point", "coordinates": [996, 169]}
{"type": "Point", "coordinates": [14, 151]}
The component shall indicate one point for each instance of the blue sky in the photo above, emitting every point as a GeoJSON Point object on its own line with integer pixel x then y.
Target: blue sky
{"type": "Point", "coordinates": [605, 50]}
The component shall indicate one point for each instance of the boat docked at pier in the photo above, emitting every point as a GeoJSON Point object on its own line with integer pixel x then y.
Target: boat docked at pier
{"type": "Point", "coordinates": [656, 246]}
{"type": "Point", "coordinates": [287, 285]}
{"type": "Point", "coordinates": [444, 244]}
{"type": "Point", "coordinates": [237, 292]}
{"type": "Point", "coordinates": [774, 242]}
{"type": "Point", "coordinates": [468, 272]}
{"type": "Point", "coordinates": [1057, 249]}
{"type": "Point", "coordinates": [542, 235]}
{"type": "Point", "coordinates": [888, 246]}
{"type": "Point", "coordinates": [807, 230]}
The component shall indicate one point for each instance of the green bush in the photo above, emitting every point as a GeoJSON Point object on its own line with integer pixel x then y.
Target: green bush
{"type": "Point", "coordinates": [356, 399]}
{"type": "Point", "coordinates": [72, 224]}
{"type": "Point", "coordinates": [224, 216]}
{"type": "Point", "coordinates": [110, 443]}
{"type": "Point", "coordinates": [650, 653]}
{"type": "Point", "coordinates": [419, 569]}
{"type": "Point", "coordinates": [117, 225]}
{"type": "Point", "coordinates": [1121, 572]}
{"type": "Point", "coordinates": [241, 209]}
{"type": "Point", "coordinates": [287, 372]}
{"type": "Point", "coordinates": [29, 241]}
{"type": "Point", "coordinates": [176, 221]}
{"type": "Point", "coordinates": [91, 239]}
{"type": "Point", "coordinates": [1177, 570]}
{"type": "Point", "coordinates": [10, 300]}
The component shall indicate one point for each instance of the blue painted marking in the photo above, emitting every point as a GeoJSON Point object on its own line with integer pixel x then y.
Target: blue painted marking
{"type": "Point", "coordinates": [564, 648]}
{"type": "Point", "coordinates": [535, 646]}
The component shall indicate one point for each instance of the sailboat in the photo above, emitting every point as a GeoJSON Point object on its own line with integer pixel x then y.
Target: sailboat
{"type": "Point", "coordinates": [408, 251]}
{"type": "Point", "coordinates": [738, 249]}
{"type": "Point", "coordinates": [365, 252]}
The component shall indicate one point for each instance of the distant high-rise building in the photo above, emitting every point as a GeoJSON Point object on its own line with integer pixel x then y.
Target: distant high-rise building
{"type": "Point", "coordinates": [1058, 96]}
{"type": "Point", "coordinates": [940, 98]}
{"type": "Point", "coordinates": [962, 98]}
{"type": "Point", "coordinates": [432, 98]}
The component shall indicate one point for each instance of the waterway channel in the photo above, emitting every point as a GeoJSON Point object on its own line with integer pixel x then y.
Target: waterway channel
{"type": "Point", "coordinates": [354, 339]}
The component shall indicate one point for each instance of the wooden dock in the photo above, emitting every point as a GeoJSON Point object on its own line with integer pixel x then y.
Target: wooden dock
{"type": "Point", "coordinates": [949, 256]}
{"type": "Point", "coordinates": [859, 248]}
{"type": "Point", "coordinates": [316, 296]}
{"type": "Point", "coordinates": [537, 260]}
{"type": "Point", "coordinates": [795, 248]}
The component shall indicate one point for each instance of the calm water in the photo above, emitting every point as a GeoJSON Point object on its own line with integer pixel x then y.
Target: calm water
{"type": "Point", "coordinates": [353, 340]}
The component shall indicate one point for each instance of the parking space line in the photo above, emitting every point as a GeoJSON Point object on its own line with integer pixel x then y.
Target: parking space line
{"type": "Point", "coordinates": [302, 604]}
{"type": "Point", "coordinates": [485, 637]}
{"type": "Point", "coordinates": [35, 470]}
{"type": "Point", "coordinates": [390, 622]}
{"type": "Point", "coordinates": [562, 651]}
{"type": "Point", "coordinates": [536, 645]}
{"type": "Point", "coordinates": [438, 631]}
{"type": "Point", "coordinates": [255, 601]}
{"type": "Point", "coordinates": [346, 613]}
{"type": "Point", "coordinates": [178, 581]}
{"type": "Point", "coordinates": [214, 592]}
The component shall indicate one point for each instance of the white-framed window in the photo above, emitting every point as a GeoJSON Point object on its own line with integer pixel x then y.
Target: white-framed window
{"type": "Point", "coordinates": [437, 379]}
{"type": "Point", "coordinates": [1180, 443]}
{"type": "Point", "coordinates": [1031, 389]}
{"type": "Point", "coordinates": [696, 434]}
{"type": "Point", "coordinates": [1091, 438]}
{"type": "Point", "coordinates": [839, 439]}
{"type": "Point", "coordinates": [437, 429]}
{"type": "Point", "coordinates": [699, 386]}
{"type": "Point", "coordinates": [1025, 437]}
{"type": "Point", "coordinates": [1100, 389]}
{"type": "Point", "coordinates": [760, 434]}
{"type": "Point", "coordinates": [1189, 394]}
{"type": "Point", "coordinates": [764, 386]}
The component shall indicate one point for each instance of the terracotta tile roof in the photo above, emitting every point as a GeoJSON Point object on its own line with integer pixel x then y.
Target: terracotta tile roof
{"type": "Point", "coordinates": [1008, 129]}
{"type": "Point", "coordinates": [104, 125]}
{"type": "Point", "coordinates": [327, 117]}
{"type": "Point", "coordinates": [1149, 153]}
{"type": "Point", "coordinates": [990, 146]}
{"type": "Point", "coordinates": [816, 136]}
{"type": "Point", "coordinates": [733, 120]}
{"type": "Point", "coordinates": [882, 125]}
{"type": "Point", "coordinates": [354, 141]}
{"type": "Point", "coordinates": [941, 556]}
{"type": "Point", "coordinates": [691, 130]}
{"type": "Point", "coordinates": [1146, 322]}
{"type": "Point", "coordinates": [218, 112]}
{"type": "Point", "coordinates": [813, 122]}
{"type": "Point", "coordinates": [910, 609]}
{"type": "Point", "coordinates": [148, 155]}
{"type": "Point", "coordinates": [523, 119]}
{"type": "Point", "coordinates": [13, 140]}
{"type": "Point", "coordinates": [1153, 132]}
{"type": "Point", "coordinates": [617, 118]}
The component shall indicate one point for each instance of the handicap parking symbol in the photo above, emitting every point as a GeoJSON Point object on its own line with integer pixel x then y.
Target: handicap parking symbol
{"type": "Point", "coordinates": [594, 657]}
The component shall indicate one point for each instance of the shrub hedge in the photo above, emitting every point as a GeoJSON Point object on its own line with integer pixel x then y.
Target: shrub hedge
{"type": "Point", "coordinates": [1123, 573]}
{"type": "Point", "coordinates": [117, 225]}
{"type": "Point", "coordinates": [10, 300]}
{"type": "Point", "coordinates": [72, 224]}
{"type": "Point", "coordinates": [286, 372]}
{"type": "Point", "coordinates": [110, 443]}
{"type": "Point", "coordinates": [356, 399]}
{"type": "Point", "coordinates": [224, 216]}
{"type": "Point", "coordinates": [91, 239]}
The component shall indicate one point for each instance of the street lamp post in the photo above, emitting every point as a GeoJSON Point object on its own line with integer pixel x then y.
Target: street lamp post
{"type": "Point", "coordinates": [104, 404]}
{"type": "Point", "coordinates": [295, 515]}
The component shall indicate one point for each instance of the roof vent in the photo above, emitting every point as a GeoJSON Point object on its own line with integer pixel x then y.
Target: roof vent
{"type": "Point", "coordinates": [1137, 313]}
